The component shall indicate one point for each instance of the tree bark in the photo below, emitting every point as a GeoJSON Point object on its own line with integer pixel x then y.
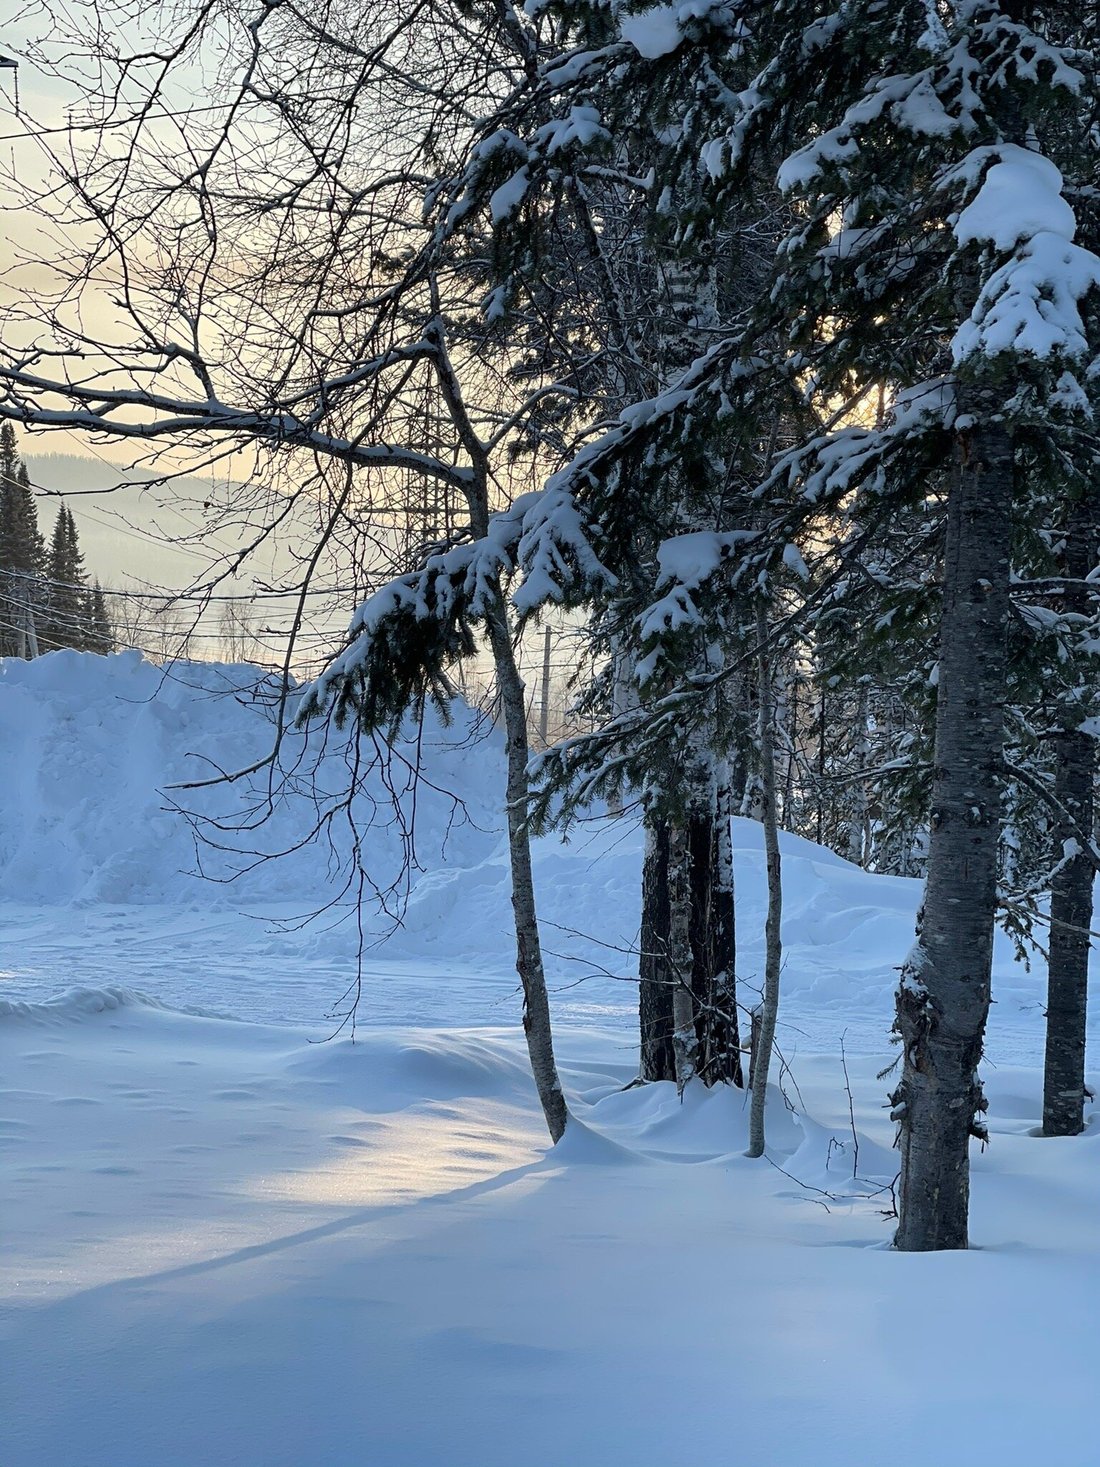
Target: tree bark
{"type": "Point", "coordinates": [536, 1001]}
{"type": "Point", "coordinates": [713, 942]}
{"type": "Point", "coordinates": [532, 976]}
{"type": "Point", "coordinates": [1068, 956]}
{"type": "Point", "coordinates": [655, 986]}
{"type": "Point", "coordinates": [773, 947]}
{"type": "Point", "coordinates": [858, 819]}
{"type": "Point", "coordinates": [685, 1044]}
{"type": "Point", "coordinates": [943, 995]}
{"type": "Point", "coordinates": [1071, 892]}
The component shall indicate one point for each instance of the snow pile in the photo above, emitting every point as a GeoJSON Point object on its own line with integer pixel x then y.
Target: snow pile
{"type": "Point", "coordinates": [845, 931]}
{"type": "Point", "coordinates": [92, 744]}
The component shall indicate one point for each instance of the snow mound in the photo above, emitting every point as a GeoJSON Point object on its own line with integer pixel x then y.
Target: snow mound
{"type": "Point", "coordinates": [583, 1146]}
{"type": "Point", "coordinates": [396, 1067]}
{"type": "Point", "coordinates": [93, 744]}
{"type": "Point", "coordinates": [82, 1003]}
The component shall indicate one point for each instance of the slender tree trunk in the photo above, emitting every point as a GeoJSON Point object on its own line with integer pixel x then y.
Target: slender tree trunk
{"type": "Point", "coordinates": [943, 995]}
{"type": "Point", "coordinates": [821, 773]}
{"type": "Point", "coordinates": [655, 986]}
{"type": "Point", "coordinates": [792, 746]}
{"type": "Point", "coordinates": [685, 1045]}
{"type": "Point", "coordinates": [1071, 892]}
{"type": "Point", "coordinates": [1068, 960]}
{"type": "Point", "coordinates": [858, 820]}
{"type": "Point", "coordinates": [773, 949]}
{"type": "Point", "coordinates": [532, 976]}
{"type": "Point", "coordinates": [536, 1002]}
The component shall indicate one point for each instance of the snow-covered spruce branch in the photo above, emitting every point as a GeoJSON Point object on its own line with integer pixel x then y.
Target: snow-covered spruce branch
{"type": "Point", "coordinates": [1083, 840]}
{"type": "Point", "coordinates": [403, 640]}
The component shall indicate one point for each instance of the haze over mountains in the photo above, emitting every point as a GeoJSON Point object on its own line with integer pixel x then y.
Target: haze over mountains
{"type": "Point", "coordinates": [133, 528]}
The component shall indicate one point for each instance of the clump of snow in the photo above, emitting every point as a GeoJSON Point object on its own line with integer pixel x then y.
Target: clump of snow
{"type": "Point", "coordinates": [506, 199]}
{"type": "Point", "coordinates": [1031, 304]}
{"type": "Point", "coordinates": [77, 1003]}
{"type": "Point", "coordinates": [652, 33]}
{"type": "Point", "coordinates": [1020, 196]}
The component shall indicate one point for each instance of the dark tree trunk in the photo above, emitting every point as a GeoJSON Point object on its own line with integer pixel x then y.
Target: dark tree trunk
{"type": "Point", "coordinates": [713, 941]}
{"type": "Point", "coordinates": [943, 995]}
{"type": "Point", "coordinates": [711, 929]}
{"type": "Point", "coordinates": [1072, 887]}
{"type": "Point", "coordinates": [1068, 962]}
{"type": "Point", "coordinates": [655, 986]}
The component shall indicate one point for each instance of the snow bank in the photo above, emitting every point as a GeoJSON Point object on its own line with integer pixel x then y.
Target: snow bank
{"type": "Point", "coordinates": [91, 745]}
{"type": "Point", "coordinates": [234, 1246]}
{"type": "Point", "coordinates": [83, 1003]}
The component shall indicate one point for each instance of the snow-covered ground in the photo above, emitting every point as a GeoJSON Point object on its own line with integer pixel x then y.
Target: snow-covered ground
{"type": "Point", "coordinates": [228, 1241]}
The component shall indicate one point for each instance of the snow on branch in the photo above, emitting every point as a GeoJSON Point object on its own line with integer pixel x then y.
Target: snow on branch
{"type": "Point", "coordinates": [660, 30]}
{"type": "Point", "coordinates": [403, 639]}
{"type": "Point", "coordinates": [555, 554]}
{"type": "Point", "coordinates": [686, 564]}
{"type": "Point", "coordinates": [1030, 305]}
{"type": "Point", "coordinates": [934, 102]}
{"type": "Point", "coordinates": [833, 464]}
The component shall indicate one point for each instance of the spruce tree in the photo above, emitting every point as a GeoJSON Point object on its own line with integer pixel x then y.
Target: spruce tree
{"type": "Point", "coordinates": [65, 623]}
{"type": "Point", "coordinates": [937, 157]}
{"type": "Point", "coordinates": [99, 633]}
{"type": "Point", "coordinates": [937, 152]}
{"type": "Point", "coordinates": [22, 552]}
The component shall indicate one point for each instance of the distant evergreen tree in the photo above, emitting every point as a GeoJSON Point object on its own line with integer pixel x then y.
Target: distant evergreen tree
{"type": "Point", "coordinates": [22, 552]}
{"type": "Point", "coordinates": [66, 620]}
{"type": "Point", "coordinates": [45, 603]}
{"type": "Point", "coordinates": [98, 634]}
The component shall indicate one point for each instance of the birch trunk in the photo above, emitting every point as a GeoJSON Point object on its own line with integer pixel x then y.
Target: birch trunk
{"type": "Point", "coordinates": [943, 996]}
{"type": "Point", "coordinates": [858, 820]}
{"type": "Point", "coordinates": [1071, 892]}
{"type": "Point", "coordinates": [536, 1001]}
{"type": "Point", "coordinates": [532, 977]}
{"type": "Point", "coordinates": [773, 949]}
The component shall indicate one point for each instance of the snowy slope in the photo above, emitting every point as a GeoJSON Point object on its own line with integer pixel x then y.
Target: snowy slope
{"type": "Point", "coordinates": [226, 1242]}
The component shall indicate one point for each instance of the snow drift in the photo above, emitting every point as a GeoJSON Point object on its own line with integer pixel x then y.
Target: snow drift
{"type": "Point", "coordinates": [93, 744]}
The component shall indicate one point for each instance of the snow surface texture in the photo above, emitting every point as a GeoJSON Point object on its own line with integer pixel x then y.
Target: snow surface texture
{"type": "Point", "coordinates": [225, 1242]}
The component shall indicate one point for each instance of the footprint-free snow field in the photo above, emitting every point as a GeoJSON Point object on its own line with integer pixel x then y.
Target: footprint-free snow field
{"type": "Point", "coordinates": [229, 1238]}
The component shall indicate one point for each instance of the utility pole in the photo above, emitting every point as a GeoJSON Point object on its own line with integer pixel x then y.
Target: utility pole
{"type": "Point", "coordinates": [7, 64]}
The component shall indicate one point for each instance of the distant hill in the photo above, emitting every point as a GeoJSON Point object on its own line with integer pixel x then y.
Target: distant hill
{"type": "Point", "coordinates": [132, 530]}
